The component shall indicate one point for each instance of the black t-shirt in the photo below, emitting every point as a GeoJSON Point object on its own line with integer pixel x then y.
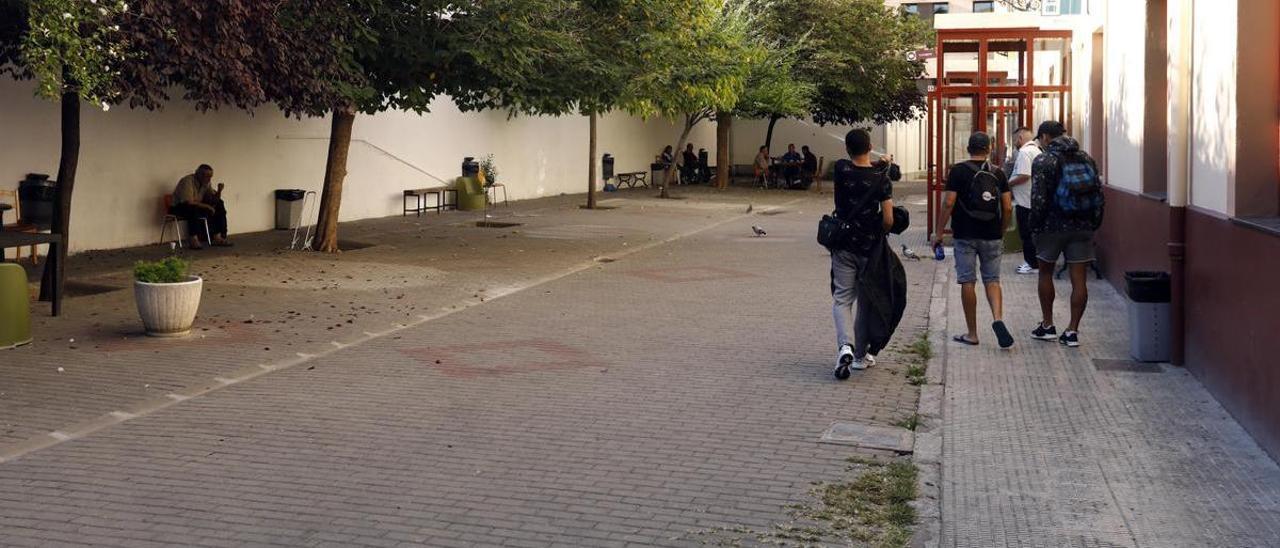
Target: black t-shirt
{"type": "Point", "coordinates": [852, 185]}
{"type": "Point", "coordinates": [964, 227]}
{"type": "Point", "coordinates": [810, 162]}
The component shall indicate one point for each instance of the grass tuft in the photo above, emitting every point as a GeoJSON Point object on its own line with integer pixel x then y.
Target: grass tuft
{"type": "Point", "coordinates": [910, 423]}
{"type": "Point", "coordinates": [873, 507]}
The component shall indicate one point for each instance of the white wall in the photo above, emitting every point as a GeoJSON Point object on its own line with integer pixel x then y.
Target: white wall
{"type": "Point", "coordinates": [824, 141]}
{"type": "Point", "coordinates": [1213, 104]}
{"type": "Point", "coordinates": [1123, 92]}
{"type": "Point", "coordinates": [130, 158]}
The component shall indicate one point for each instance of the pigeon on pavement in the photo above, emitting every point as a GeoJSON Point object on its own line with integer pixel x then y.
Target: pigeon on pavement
{"type": "Point", "coordinates": [908, 253]}
{"type": "Point", "coordinates": [750, 207]}
{"type": "Point", "coordinates": [758, 231]}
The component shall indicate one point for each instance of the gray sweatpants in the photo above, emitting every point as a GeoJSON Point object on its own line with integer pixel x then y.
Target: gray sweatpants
{"type": "Point", "coordinates": [844, 292]}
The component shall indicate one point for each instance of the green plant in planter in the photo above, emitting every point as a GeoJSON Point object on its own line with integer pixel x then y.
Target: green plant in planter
{"type": "Point", "coordinates": [170, 270]}
{"type": "Point", "coordinates": [490, 169]}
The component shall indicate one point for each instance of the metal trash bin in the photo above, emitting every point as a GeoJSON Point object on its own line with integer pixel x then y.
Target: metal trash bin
{"type": "Point", "coordinates": [606, 165]}
{"type": "Point", "coordinates": [15, 307]}
{"type": "Point", "coordinates": [470, 167]}
{"type": "Point", "coordinates": [38, 194]}
{"type": "Point", "coordinates": [657, 171]}
{"type": "Point", "coordinates": [1150, 329]}
{"type": "Point", "coordinates": [289, 208]}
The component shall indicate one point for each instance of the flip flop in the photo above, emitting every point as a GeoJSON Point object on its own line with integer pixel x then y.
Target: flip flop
{"type": "Point", "coordinates": [1002, 335]}
{"type": "Point", "coordinates": [964, 339]}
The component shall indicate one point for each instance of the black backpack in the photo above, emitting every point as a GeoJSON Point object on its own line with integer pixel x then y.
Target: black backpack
{"type": "Point", "coordinates": [982, 201]}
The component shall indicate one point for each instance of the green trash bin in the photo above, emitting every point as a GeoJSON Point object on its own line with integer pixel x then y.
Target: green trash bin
{"type": "Point", "coordinates": [15, 307]}
{"type": "Point", "coordinates": [471, 196]}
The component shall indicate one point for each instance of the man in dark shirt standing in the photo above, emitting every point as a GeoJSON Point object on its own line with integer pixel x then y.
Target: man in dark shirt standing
{"type": "Point", "coordinates": [1060, 233]}
{"type": "Point", "coordinates": [809, 169]}
{"type": "Point", "coordinates": [862, 193]}
{"type": "Point", "coordinates": [981, 191]}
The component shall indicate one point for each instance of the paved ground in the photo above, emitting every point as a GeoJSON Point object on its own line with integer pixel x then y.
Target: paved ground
{"type": "Point", "coordinates": [600, 378]}
{"type": "Point", "coordinates": [1041, 448]}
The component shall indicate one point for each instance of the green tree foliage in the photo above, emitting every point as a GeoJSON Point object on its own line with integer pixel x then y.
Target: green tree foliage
{"type": "Point", "coordinates": [771, 86]}
{"type": "Point", "coordinates": [698, 72]}
{"type": "Point", "coordinates": [854, 54]}
{"type": "Point", "coordinates": [481, 53]}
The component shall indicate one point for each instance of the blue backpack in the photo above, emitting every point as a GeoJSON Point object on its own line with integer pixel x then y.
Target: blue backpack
{"type": "Point", "coordinates": [1079, 192]}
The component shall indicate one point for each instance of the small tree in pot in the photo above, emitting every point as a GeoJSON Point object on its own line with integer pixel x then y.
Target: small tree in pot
{"type": "Point", "coordinates": [167, 296]}
{"type": "Point", "coordinates": [490, 170]}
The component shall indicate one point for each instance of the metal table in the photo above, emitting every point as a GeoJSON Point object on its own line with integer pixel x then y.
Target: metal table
{"type": "Point", "coordinates": [51, 280]}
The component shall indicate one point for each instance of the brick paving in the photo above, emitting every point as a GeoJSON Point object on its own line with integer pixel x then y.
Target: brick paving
{"type": "Point", "coordinates": [1040, 448]}
{"type": "Point", "coordinates": [531, 394]}
{"type": "Point", "coordinates": [262, 305]}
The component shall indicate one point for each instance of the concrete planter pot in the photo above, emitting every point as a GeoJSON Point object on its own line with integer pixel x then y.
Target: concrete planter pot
{"type": "Point", "coordinates": [168, 310]}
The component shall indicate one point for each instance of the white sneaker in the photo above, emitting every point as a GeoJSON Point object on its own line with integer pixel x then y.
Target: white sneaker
{"type": "Point", "coordinates": [859, 365]}
{"type": "Point", "coordinates": [844, 360]}
{"type": "Point", "coordinates": [869, 360]}
{"type": "Point", "coordinates": [845, 356]}
{"type": "Point", "coordinates": [1026, 269]}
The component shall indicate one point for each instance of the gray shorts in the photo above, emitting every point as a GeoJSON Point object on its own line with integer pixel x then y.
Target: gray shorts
{"type": "Point", "coordinates": [972, 253]}
{"type": "Point", "coordinates": [1076, 245]}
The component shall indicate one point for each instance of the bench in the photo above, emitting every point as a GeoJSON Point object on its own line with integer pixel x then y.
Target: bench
{"type": "Point", "coordinates": [440, 193]}
{"type": "Point", "coordinates": [633, 178]}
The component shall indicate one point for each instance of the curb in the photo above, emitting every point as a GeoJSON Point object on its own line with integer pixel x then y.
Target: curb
{"type": "Point", "coordinates": [928, 449]}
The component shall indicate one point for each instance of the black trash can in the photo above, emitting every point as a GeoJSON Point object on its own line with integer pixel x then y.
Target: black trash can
{"type": "Point", "coordinates": [657, 173]}
{"type": "Point", "coordinates": [38, 195]}
{"type": "Point", "coordinates": [1150, 332]}
{"type": "Point", "coordinates": [606, 164]}
{"type": "Point", "coordinates": [470, 167]}
{"type": "Point", "coordinates": [289, 207]}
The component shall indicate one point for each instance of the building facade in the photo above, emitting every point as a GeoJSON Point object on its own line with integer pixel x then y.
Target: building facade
{"type": "Point", "coordinates": [1190, 145]}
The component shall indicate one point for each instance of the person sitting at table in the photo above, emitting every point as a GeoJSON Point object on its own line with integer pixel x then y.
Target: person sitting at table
{"type": "Point", "coordinates": [809, 167]}
{"type": "Point", "coordinates": [689, 165]}
{"type": "Point", "coordinates": [791, 165]}
{"type": "Point", "coordinates": [761, 166]}
{"type": "Point", "coordinates": [195, 198]}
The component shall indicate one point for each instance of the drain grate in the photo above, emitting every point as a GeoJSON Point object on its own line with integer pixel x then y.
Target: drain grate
{"type": "Point", "coordinates": [495, 224]}
{"type": "Point", "coordinates": [899, 440]}
{"type": "Point", "coordinates": [1127, 366]}
{"type": "Point", "coordinates": [349, 245]}
{"type": "Point", "coordinates": [75, 288]}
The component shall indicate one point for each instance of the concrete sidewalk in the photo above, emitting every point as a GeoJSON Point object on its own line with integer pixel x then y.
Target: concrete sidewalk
{"type": "Point", "coordinates": [1046, 446]}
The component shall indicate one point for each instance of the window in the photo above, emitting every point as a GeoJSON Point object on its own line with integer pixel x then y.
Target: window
{"type": "Point", "coordinates": [941, 7]}
{"type": "Point", "coordinates": [984, 7]}
{"type": "Point", "coordinates": [911, 9]}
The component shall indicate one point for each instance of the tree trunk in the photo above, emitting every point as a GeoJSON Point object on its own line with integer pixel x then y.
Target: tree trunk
{"type": "Point", "coordinates": [724, 125]}
{"type": "Point", "coordinates": [670, 176]}
{"type": "Point", "coordinates": [68, 162]}
{"type": "Point", "coordinates": [768, 138]}
{"type": "Point", "coordinates": [591, 165]}
{"type": "Point", "coordinates": [334, 174]}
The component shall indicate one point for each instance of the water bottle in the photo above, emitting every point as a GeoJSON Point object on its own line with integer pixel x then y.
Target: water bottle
{"type": "Point", "coordinates": [938, 253]}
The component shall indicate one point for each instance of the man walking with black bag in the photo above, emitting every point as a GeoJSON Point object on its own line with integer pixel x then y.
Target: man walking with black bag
{"type": "Point", "coordinates": [863, 200]}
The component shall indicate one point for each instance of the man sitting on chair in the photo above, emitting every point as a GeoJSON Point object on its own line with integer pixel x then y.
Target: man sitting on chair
{"type": "Point", "coordinates": [194, 199]}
